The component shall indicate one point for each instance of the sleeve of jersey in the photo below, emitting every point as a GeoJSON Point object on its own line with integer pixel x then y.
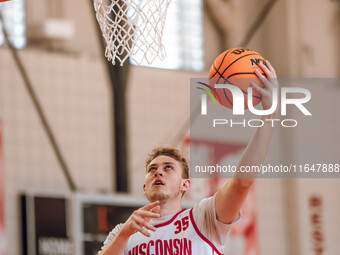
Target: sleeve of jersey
{"type": "Point", "coordinates": [110, 237]}
{"type": "Point", "coordinates": [205, 217]}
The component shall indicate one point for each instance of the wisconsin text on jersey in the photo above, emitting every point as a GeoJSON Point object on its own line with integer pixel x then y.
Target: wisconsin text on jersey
{"type": "Point", "coordinates": [171, 246]}
{"type": "Point", "coordinates": [177, 236]}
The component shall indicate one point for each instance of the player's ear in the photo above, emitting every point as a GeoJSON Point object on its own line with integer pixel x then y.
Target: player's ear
{"type": "Point", "coordinates": [144, 188]}
{"type": "Point", "coordinates": [186, 184]}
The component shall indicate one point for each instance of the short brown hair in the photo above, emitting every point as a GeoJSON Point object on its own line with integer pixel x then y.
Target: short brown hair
{"type": "Point", "coordinates": [170, 151]}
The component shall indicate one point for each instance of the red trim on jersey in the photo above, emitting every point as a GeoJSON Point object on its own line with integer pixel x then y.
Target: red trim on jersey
{"type": "Point", "coordinates": [169, 221]}
{"type": "Point", "coordinates": [201, 235]}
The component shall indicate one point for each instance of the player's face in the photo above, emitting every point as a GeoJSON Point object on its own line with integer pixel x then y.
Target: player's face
{"type": "Point", "coordinates": [163, 179]}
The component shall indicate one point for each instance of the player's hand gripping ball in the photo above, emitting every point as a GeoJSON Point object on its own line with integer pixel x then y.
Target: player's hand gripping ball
{"type": "Point", "coordinates": [236, 67]}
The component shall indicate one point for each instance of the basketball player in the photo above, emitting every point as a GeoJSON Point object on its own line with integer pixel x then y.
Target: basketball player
{"type": "Point", "coordinates": [163, 227]}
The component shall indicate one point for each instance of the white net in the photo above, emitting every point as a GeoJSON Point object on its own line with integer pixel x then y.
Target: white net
{"type": "Point", "coordinates": [132, 28]}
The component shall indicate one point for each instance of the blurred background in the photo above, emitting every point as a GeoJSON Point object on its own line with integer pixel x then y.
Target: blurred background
{"type": "Point", "coordinates": [104, 120]}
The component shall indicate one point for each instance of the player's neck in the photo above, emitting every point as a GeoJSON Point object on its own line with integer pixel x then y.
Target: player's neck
{"type": "Point", "coordinates": [169, 207]}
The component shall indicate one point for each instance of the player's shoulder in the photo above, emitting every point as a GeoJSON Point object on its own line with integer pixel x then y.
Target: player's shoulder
{"type": "Point", "coordinates": [205, 202]}
{"type": "Point", "coordinates": [203, 207]}
{"type": "Point", "coordinates": [207, 199]}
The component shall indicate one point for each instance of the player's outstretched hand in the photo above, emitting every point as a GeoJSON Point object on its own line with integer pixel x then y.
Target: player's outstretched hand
{"type": "Point", "coordinates": [141, 218]}
{"type": "Point", "coordinates": [268, 82]}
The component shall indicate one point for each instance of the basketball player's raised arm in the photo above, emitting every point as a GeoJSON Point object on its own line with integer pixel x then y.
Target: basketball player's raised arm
{"type": "Point", "coordinates": [231, 195]}
{"type": "Point", "coordinates": [139, 219]}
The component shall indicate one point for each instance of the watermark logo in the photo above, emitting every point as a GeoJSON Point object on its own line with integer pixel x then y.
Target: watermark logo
{"type": "Point", "coordinates": [304, 120]}
{"type": "Point", "coordinates": [281, 100]}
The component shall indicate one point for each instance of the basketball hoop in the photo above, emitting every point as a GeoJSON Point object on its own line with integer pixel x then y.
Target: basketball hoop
{"type": "Point", "coordinates": [132, 28]}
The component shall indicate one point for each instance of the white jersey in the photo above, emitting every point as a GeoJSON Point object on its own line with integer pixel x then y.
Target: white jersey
{"type": "Point", "coordinates": [193, 231]}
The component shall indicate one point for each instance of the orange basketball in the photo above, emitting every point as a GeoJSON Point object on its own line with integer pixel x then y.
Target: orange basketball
{"type": "Point", "coordinates": [237, 67]}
